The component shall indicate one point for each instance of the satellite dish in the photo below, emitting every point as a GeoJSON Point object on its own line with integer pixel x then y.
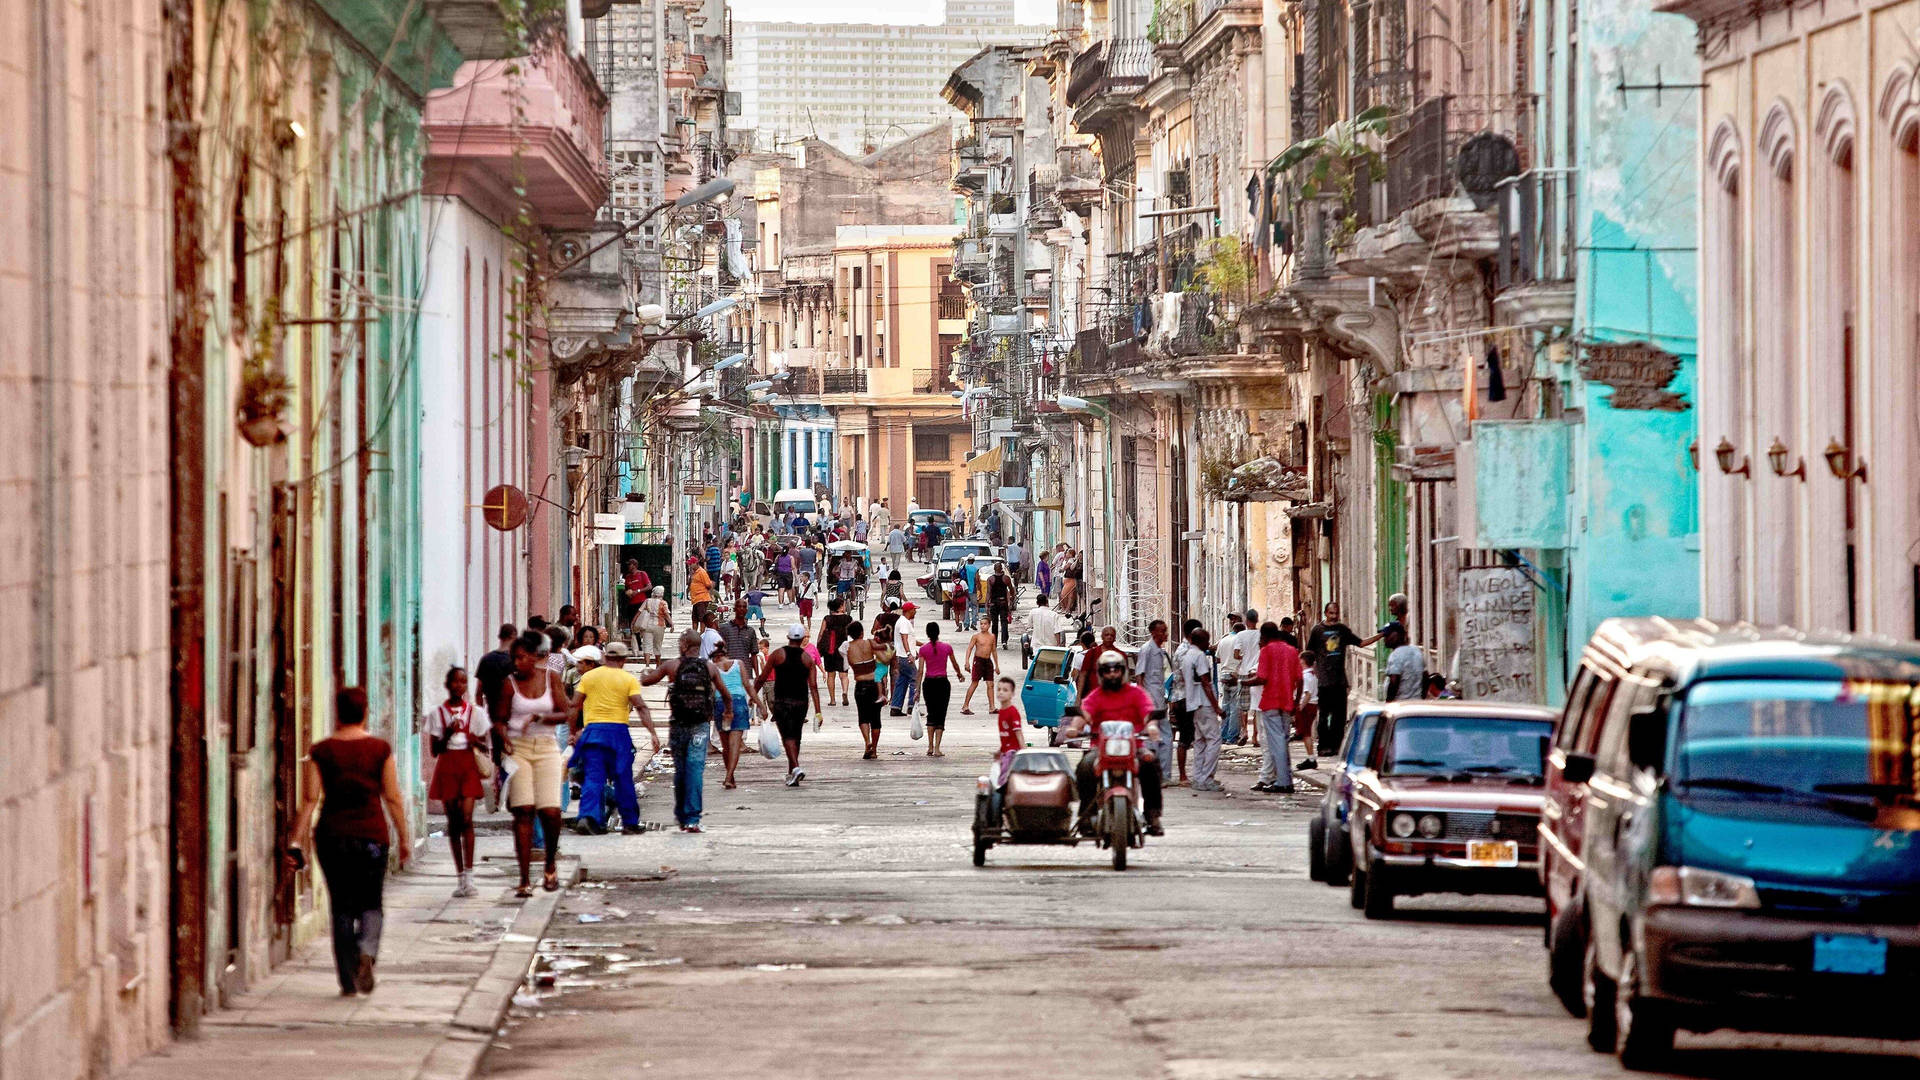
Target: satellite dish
{"type": "Point", "coordinates": [504, 508]}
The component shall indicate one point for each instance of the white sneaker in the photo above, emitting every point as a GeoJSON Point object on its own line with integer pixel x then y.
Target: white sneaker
{"type": "Point", "coordinates": [799, 775]}
{"type": "Point", "coordinates": [793, 777]}
{"type": "Point", "coordinates": [465, 887]}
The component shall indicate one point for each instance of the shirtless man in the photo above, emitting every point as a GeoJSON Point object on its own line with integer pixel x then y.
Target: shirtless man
{"type": "Point", "coordinates": [983, 664]}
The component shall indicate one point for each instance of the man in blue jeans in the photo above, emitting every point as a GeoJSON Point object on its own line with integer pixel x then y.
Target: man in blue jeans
{"type": "Point", "coordinates": [694, 700]}
{"type": "Point", "coordinates": [604, 748]}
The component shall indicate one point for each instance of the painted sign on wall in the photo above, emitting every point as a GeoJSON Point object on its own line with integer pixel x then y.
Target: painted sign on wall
{"type": "Point", "coordinates": [1638, 372]}
{"type": "Point", "coordinates": [1496, 635]}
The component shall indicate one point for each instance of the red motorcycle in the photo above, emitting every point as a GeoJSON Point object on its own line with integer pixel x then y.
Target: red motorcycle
{"type": "Point", "coordinates": [1119, 818]}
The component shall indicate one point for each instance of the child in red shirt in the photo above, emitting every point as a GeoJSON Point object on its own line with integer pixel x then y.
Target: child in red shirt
{"type": "Point", "coordinates": [1011, 738]}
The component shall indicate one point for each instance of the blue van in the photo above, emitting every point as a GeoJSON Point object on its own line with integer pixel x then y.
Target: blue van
{"type": "Point", "coordinates": [1750, 850]}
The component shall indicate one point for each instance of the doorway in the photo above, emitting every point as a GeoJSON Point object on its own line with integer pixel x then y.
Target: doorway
{"type": "Point", "coordinates": [931, 490]}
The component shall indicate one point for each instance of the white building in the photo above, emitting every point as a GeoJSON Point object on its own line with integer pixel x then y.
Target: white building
{"type": "Point", "coordinates": [859, 85]}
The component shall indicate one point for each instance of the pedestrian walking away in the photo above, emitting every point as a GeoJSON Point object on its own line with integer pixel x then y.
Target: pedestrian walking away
{"type": "Point", "coordinates": [733, 727]}
{"type": "Point", "coordinates": [534, 763]}
{"type": "Point", "coordinates": [350, 779]}
{"type": "Point", "coordinates": [937, 661]}
{"type": "Point", "coordinates": [693, 702]}
{"type": "Point", "coordinates": [906, 679]}
{"type": "Point", "coordinates": [607, 695]}
{"type": "Point", "coordinates": [1203, 709]}
{"type": "Point", "coordinates": [1276, 679]}
{"type": "Point", "coordinates": [983, 663]}
{"type": "Point", "coordinates": [794, 676]}
{"type": "Point", "coordinates": [462, 762]}
{"type": "Point", "coordinates": [833, 636]}
{"type": "Point", "coordinates": [863, 663]}
{"type": "Point", "coordinates": [1000, 595]}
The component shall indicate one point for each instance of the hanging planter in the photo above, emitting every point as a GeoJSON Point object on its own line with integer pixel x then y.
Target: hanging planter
{"type": "Point", "coordinates": [260, 413]}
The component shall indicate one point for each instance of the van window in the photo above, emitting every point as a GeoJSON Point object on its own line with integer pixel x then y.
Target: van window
{"type": "Point", "coordinates": [1586, 738]}
{"type": "Point", "coordinates": [1048, 665]}
{"type": "Point", "coordinates": [1632, 693]}
{"type": "Point", "coordinates": [1793, 748]}
{"type": "Point", "coordinates": [1569, 724]}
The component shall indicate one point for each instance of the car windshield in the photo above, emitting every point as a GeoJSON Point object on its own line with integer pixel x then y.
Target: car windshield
{"type": "Point", "coordinates": [1467, 746]}
{"type": "Point", "coordinates": [1845, 747]}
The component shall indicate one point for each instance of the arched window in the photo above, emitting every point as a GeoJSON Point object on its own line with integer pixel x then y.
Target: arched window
{"type": "Point", "coordinates": [1724, 393]}
{"type": "Point", "coordinates": [1776, 374]}
{"type": "Point", "coordinates": [1893, 506]}
{"type": "Point", "coordinates": [1833, 587]}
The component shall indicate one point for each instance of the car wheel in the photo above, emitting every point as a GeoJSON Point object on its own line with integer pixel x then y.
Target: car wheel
{"type": "Point", "coordinates": [1566, 957]}
{"type": "Point", "coordinates": [1357, 889]}
{"type": "Point", "coordinates": [979, 853]}
{"type": "Point", "coordinates": [1377, 901]}
{"type": "Point", "coordinates": [1643, 1036]}
{"type": "Point", "coordinates": [1339, 857]}
{"type": "Point", "coordinates": [1317, 849]}
{"type": "Point", "coordinates": [1596, 996]}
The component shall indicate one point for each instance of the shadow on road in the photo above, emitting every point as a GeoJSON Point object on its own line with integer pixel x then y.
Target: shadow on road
{"type": "Point", "coordinates": [1746, 1062]}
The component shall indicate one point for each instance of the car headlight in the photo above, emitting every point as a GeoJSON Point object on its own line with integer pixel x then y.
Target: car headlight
{"type": "Point", "coordinates": [1432, 825]}
{"type": "Point", "coordinates": [1401, 825]}
{"type": "Point", "coordinates": [1692, 886]}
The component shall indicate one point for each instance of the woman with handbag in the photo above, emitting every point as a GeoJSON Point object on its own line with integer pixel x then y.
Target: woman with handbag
{"type": "Point", "coordinates": [462, 764]}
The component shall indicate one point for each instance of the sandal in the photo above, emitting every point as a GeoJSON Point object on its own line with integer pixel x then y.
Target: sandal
{"type": "Point", "coordinates": [551, 882]}
{"type": "Point", "coordinates": [524, 892]}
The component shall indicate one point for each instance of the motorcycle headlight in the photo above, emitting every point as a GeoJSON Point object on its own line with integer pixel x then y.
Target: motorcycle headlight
{"type": "Point", "coordinates": [1691, 886]}
{"type": "Point", "coordinates": [1119, 748]}
{"type": "Point", "coordinates": [1432, 825]}
{"type": "Point", "coordinates": [1401, 825]}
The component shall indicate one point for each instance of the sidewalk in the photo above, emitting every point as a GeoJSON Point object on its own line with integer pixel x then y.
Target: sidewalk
{"type": "Point", "coordinates": [448, 970]}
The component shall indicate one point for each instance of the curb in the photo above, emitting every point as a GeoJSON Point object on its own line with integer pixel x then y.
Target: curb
{"type": "Point", "coordinates": [470, 1033]}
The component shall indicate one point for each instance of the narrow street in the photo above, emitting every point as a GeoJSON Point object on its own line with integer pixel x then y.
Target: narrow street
{"type": "Point", "coordinates": [838, 930]}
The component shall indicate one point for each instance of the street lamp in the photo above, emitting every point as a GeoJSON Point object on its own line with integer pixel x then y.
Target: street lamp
{"type": "Point", "coordinates": [1840, 464]}
{"type": "Point", "coordinates": [756, 387]}
{"type": "Point", "coordinates": [707, 192]}
{"type": "Point", "coordinates": [1724, 455]}
{"type": "Point", "coordinates": [1777, 461]}
{"type": "Point", "coordinates": [717, 307]}
{"type": "Point", "coordinates": [731, 361]}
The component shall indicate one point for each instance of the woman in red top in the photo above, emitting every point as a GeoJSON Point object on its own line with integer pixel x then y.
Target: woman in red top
{"type": "Point", "coordinates": [351, 780]}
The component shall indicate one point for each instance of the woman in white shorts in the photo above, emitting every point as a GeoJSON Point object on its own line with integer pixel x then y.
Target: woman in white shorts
{"type": "Point", "coordinates": [539, 707]}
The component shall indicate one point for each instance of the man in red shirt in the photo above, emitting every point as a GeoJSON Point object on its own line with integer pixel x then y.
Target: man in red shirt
{"type": "Point", "coordinates": [1117, 699]}
{"type": "Point", "coordinates": [1090, 663]}
{"type": "Point", "coordinates": [1278, 676]}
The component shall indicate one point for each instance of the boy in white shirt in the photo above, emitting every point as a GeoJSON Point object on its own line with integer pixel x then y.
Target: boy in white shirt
{"type": "Point", "coordinates": [1309, 709]}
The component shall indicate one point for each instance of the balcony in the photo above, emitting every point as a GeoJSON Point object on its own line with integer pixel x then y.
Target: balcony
{"type": "Point", "coordinates": [844, 382]}
{"type": "Point", "coordinates": [799, 383]}
{"type": "Point", "coordinates": [1117, 68]}
{"type": "Point", "coordinates": [770, 281]}
{"type": "Point", "coordinates": [1536, 248]}
{"type": "Point", "coordinates": [1421, 158]}
{"type": "Point", "coordinates": [953, 305]}
{"type": "Point", "coordinates": [939, 379]}
{"type": "Point", "coordinates": [492, 132]}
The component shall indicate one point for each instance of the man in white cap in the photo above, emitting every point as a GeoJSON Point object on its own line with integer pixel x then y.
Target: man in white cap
{"type": "Point", "coordinates": [794, 677]}
{"type": "Point", "coordinates": [607, 695]}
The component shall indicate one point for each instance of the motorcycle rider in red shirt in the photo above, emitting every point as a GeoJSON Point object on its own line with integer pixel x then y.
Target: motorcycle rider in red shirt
{"type": "Point", "coordinates": [1117, 699]}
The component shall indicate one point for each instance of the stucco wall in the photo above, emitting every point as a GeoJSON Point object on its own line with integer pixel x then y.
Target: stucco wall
{"type": "Point", "coordinates": [83, 581]}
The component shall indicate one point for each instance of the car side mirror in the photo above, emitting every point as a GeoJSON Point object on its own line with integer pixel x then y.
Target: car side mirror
{"type": "Point", "coordinates": [1647, 736]}
{"type": "Point", "coordinates": [1578, 769]}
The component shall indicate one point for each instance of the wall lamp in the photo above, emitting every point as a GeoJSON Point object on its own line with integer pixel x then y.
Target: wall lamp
{"type": "Point", "coordinates": [1777, 461]}
{"type": "Point", "coordinates": [1724, 455]}
{"type": "Point", "coordinates": [1840, 463]}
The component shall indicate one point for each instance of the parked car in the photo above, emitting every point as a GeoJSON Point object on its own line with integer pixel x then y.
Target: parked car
{"type": "Point", "coordinates": [1448, 801]}
{"type": "Point", "coordinates": [1329, 854]}
{"type": "Point", "coordinates": [947, 562]}
{"type": "Point", "coordinates": [1749, 855]}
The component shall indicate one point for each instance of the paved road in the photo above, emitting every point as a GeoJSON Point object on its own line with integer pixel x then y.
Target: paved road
{"type": "Point", "coordinates": [838, 930]}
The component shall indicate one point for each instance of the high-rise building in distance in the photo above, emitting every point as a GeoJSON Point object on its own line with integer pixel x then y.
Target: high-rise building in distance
{"type": "Point", "coordinates": [860, 85]}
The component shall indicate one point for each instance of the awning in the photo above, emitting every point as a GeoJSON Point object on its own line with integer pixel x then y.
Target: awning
{"type": "Point", "coordinates": [989, 461]}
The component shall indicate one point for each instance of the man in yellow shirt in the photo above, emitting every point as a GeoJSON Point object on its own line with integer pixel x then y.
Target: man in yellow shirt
{"type": "Point", "coordinates": [603, 746]}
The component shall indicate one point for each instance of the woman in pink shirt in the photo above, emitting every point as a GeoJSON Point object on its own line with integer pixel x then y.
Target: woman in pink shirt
{"type": "Point", "coordinates": [936, 689]}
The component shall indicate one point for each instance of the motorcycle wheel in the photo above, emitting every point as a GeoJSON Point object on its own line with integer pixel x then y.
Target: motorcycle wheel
{"type": "Point", "coordinates": [1119, 829]}
{"type": "Point", "coordinates": [1053, 736]}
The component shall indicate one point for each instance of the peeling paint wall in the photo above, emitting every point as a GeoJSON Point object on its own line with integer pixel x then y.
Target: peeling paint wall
{"type": "Point", "coordinates": [1634, 522]}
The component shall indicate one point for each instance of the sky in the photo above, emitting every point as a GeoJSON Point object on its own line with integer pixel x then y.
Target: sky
{"type": "Point", "coordinates": [885, 11]}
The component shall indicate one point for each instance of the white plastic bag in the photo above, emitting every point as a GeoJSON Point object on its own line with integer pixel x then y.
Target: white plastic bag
{"type": "Point", "coordinates": [770, 746]}
{"type": "Point", "coordinates": [917, 729]}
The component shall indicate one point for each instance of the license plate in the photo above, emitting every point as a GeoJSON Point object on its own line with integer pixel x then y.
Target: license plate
{"type": "Point", "coordinates": [1850, 954]}
{"type": "Point", "coordinates": [1493, 852]}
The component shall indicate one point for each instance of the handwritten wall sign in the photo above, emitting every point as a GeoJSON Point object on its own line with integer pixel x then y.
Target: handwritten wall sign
{"type": "Point", "coordinates": [1638, 372]}
{"type": "Point", "coordinates": [1496, 635]}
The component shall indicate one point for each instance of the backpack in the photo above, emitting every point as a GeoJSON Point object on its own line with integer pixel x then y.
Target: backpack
{"type": "Point", "coordinates": [690, 695]}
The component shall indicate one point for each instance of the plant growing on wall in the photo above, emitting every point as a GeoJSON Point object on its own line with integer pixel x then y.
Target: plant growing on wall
{"type": "Point", "coordinates": [1215, 470]}
{"type": "Point", "coordinates": [1331, 161]}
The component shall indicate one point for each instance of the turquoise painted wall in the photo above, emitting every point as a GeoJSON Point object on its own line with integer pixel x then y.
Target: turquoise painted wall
{"type": "Point", "coordinates": [1635, 544]}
